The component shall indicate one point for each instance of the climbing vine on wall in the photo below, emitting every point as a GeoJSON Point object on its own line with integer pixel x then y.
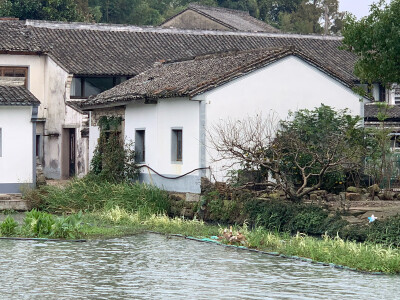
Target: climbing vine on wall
{"type": "Point", "coordinates": [113, 160]}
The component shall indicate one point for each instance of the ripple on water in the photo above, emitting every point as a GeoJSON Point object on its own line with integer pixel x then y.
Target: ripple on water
{"type": "Point", "coordinates": [151, 266]}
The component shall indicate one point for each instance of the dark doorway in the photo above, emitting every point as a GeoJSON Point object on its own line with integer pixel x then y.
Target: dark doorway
{"type": "Point", "coordinates": [72, 142]}
{"type": "Point", "coordinates": [68, 153]}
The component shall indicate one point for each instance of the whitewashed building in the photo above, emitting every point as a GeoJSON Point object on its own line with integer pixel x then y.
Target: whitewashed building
{"type": "Point", "coordinates": [63, 64]}
{"type": "Point", "coordinates": [169, 109]}
{"type": "Point", "coordinates": [18, 117]}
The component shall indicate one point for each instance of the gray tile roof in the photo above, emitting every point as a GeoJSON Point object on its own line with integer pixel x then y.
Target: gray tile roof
{"type": "Point", "coordinates": [231, 18]}
{"type": "Point", "coordinates": [15, 36]}
{"type": "Point", "coordinates": [102, 49]}
{"type": "Point", "coordinates": [16, 95]}
{"type": "Point", "coordinates": [371, 111]}
{"type": "Point", "coordinates": [192, 77]}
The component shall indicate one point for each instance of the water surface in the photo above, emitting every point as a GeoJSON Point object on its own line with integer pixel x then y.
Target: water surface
{"type": "Point", "coordinates": [150, 266]}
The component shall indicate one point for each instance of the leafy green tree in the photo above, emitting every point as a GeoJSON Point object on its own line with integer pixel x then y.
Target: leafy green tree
{"type": "Point", "coordinates": [380, 164]}
{"type": "Point", "coordinates": [316, 148]}
{"type": "Point", "coordinates": [54, 10]}
{"type": "Point", "coordinates": [376, 41]}
{"type": "Point", "coordinates": [316, 16]}
{"type": "Point", "coordinates": [270, 10]}
{"type": "Point", "coordinates": [5, 8]}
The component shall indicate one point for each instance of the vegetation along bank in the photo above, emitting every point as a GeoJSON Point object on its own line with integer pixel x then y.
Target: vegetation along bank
{"type": "Point", "coordinates": [89, 208]}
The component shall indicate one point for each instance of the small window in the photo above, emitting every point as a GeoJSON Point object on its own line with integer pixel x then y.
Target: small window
{"type": "Point", "coordinates": [14, 75]}
{"type": "Point", "coordinates": [140, 150]}
{"type": "Point", "coordinates": [38, 145]}
{"type": "Point", "coordinates": [83, 87]}
{"type": "Point", "coordinates": [176, 144]}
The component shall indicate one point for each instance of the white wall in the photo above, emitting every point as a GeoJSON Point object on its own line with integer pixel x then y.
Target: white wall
{"type": "Point", "coordinates": [289, 84]}
{"type": "Point", "coordinates": [16, 161]}
{"type": "Point", "coordinates": [158, 121]}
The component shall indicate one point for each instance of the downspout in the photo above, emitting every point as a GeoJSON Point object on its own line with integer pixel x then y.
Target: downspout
{"type": "Point", "coordinates": [202, 137]}
{"type": "Point", "coordinates": [35, 109]}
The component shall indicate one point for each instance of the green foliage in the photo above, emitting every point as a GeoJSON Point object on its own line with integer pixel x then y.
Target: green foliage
{"type": "Point", "coordinates": [67, 227]}
{"type": "Point", "coordinates": [307, 15]}
{"type": "Point", "coordinates": [38, 224]}
{"type": "Point", "coordinates": [112, 160]}
{"type": "Point", "coordinates": [385, 232]}
{"type": "Point", "coordinates": [8, 227]}
{"type": "Point", "coordinates": [90, 194]}
{"type": "Point", "coordinates": [53, 10]}
{"type": "Point", "coordinates": [318, 146]}
{"type": "Point", "coordinates": [222, 210]}
{"type": "Point", "coordinates": [290, 217]}
{"type": "Point", "coordinates": [380, 163]}
{"type": "Point", "coordinates": [376, 41]}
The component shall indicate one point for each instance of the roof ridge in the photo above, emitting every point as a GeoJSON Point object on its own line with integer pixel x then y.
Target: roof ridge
{"type": "Point", "coordinates": [56, 25]}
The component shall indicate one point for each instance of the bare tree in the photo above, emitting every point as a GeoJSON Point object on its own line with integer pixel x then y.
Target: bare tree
{"type": "Point", "coordinates": [295, 155]}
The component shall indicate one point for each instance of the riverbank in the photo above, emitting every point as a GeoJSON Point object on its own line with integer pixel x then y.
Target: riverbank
{"type": "Point", "coordinates": [113, 210]}
{"type": "Point", "coordinates": [117, 222]}
{"type": "Point", "coordinates": [360, 256]}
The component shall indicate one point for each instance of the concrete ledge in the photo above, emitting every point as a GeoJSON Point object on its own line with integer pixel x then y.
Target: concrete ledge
{"type": "Point", "coordinates": [17, 204]}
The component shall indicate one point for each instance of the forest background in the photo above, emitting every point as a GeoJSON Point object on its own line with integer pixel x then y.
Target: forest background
{"type": "Point", "coordinates": [297, 16]}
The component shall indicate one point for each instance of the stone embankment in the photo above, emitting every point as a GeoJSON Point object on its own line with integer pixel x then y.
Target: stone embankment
{"type": "Point", "coordinates": [13, 202]}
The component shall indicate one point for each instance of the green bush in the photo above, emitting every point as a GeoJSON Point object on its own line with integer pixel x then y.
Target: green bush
{"type": "Point", "coordinates": [292, 217]}
{"type": "Point", "coordinates": [8, 227]}
{"type": "Point", "coordinates": [38, 224]}
{"type": "Point", "coordinates": [67, 227]}
{"type": "Point", "coordinates": [272, 215]}
{"type": "Point", "coordinates": [385, 232]}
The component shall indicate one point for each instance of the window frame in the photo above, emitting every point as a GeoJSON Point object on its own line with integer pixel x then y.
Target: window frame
{"type": "Point", "coordinates": [14, 68]}
{"type": "Point", "coordinates": [138, 132]}
{"type": "Point", "coordinates": [177, 145]}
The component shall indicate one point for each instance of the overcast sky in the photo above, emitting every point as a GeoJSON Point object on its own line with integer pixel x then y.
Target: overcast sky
{"type": "Point", "coordinates": [359, 8]}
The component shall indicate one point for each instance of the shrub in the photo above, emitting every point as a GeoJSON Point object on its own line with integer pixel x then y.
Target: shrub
{"type": "Point", "coordinates": [67, 227]}
{"type": "Point", "coordinates": [291, 217]}
{"type": "Point", "coordinates": [8, 227]}
{"type": "Point", "coordinates": [385, 232]}
{"type": "Point", "coordinates": [38, 224]}
{"type": "Point", "coordinates": [112, 160]}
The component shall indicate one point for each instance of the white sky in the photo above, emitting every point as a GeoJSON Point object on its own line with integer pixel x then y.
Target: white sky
{"type": "Point", "coordinates": [359, 8]}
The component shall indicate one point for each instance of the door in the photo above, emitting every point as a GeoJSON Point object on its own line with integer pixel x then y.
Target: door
{"type": "Point", "coordinates": [68, 151]}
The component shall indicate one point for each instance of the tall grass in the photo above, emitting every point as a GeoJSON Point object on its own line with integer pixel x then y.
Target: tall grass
{"type": "Point", "coordinates": [157, 222]}
{"type": "Point", "coordinates": [91, 194]}
{"type": "Point", "coordinates": [361, 256]}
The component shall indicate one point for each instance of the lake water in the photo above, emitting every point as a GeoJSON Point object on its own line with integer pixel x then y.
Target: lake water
{"type": "Point", "coordinates": [150, 266]}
